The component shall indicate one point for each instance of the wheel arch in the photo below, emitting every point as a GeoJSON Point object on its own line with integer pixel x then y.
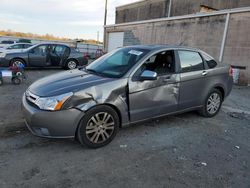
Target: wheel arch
{"type": "Point", "coordinates": [222, 90]}
{"type": "Point", "coordinates": [103, 104]}
{"type": "Point", "coordinates": [16, 58]}
{"type": "Point", "coordinates": [117, 111]}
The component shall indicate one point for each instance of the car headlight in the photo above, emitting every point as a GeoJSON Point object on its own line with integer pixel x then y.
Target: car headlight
{"type": "Point", "coordinates": [52, 103]}
{"type": "Point", "coordinates": [2, 54]}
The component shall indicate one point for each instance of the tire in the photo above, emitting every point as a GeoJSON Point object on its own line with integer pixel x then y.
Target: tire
{"type": "Point", "coordinates": [212, 104]}
{"type": "Point", "coordinates": [99, 133]}
{"type": "Point", "coordinates": [13, 61]}
{"type": "Point", "coordinates": [71, 64]}
{"type": "Point", "coordinates": [16, 81]}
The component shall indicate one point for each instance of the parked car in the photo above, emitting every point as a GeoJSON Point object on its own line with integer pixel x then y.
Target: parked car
{"type": "Point", "coordinates": [44, 55]}
{"type": "Point", "coordinates": [5, 43]}
{"type": "Point", "coordinates": [24, 41]}
{"type": "Point", "coordinates": [126, 86]}
{"type": "Point", "coordinates": [15, 46]}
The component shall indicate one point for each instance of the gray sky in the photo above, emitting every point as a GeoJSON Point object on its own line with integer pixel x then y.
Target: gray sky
{"type": "Point", "coordinates": [63, 18]}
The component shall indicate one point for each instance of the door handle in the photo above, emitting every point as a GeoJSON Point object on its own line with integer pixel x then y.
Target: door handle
{"type": "Point", "coordinates": [204, 73]}
{"type": "Point", "coordinates": [167, 78]}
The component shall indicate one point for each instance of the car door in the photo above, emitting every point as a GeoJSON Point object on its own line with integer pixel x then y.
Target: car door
{"type": "Point", "coordinates": [54, 58]}
{"type": "Point", "coordinates": [65, 55]}
{"type": "Point", "coordinates": [38, 55]}
{"type": "Point", "coordinates": [193, 79]}
{"type": "Point", "coordinates": [58, 54]}
{"type": "Point", "coordinates": [150, 98]}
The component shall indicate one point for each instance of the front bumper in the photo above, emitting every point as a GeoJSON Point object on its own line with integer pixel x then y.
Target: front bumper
{"type": "Point", "coordinates": [57, 124]}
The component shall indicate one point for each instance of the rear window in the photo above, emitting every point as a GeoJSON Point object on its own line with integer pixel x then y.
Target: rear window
{"type": "Point", "coordinates": [190, 61]}
{"type": "Point", "coordinates": [59, 50]}
{"type": "Point", "coordinates": [211, 63]}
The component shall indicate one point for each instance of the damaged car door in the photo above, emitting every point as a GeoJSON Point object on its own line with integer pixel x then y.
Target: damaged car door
{"type": "Point", "coordinates": [149, 97]}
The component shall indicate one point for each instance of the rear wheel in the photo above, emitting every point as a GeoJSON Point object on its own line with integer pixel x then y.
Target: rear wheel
{"type": "Point", "coordinates": [71, 64]}
{"type": "Point", "coordinates": [98, 127]}
{"type": "Point", "coordinates": [212, 104]}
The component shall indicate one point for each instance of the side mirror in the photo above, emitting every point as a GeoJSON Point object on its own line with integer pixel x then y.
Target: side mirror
{"type": "Point", "coordinates": [148, 75]}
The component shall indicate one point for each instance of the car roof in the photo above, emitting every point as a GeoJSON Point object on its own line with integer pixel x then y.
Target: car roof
{"type": "Point", "coordinates": [55, 43]}
{"type": "Point", "coordinates": [20, 43]}
{"type": "Point", "coordinates": [159, 47]}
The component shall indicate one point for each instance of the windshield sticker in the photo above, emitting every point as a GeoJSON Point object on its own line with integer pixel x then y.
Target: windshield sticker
{"type": "Point", "coordinates": [135, 52]}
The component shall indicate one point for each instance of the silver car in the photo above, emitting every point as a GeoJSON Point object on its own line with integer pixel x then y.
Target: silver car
{"type": "Point", "coordinates": [126, 86]}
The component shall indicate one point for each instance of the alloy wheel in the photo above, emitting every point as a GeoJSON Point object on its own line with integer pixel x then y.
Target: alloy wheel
{"type": "Point", "coordinates": [71, 64]}
{"type": "Point", "coordinates": [100, 127]}
{"type": "Point", "coordinates": [213, 103]}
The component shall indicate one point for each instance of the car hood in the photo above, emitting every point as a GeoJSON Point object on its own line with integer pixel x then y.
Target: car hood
{"type": "Point", "coordinates": [67, 81]}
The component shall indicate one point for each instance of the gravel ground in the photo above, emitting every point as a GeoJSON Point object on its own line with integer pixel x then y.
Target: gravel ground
{"type": "Point", "coordinates": [177, 151]}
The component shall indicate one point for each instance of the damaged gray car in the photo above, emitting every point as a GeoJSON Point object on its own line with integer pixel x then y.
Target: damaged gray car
{"type": "Point", "coordinates": [126, 86]}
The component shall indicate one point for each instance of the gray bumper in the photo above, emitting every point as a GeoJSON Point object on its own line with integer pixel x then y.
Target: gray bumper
{"type": "Point", "coordinates": [58, 124]}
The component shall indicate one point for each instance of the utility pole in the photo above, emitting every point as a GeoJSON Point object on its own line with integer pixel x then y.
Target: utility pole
{"type": "Point", "coordinates": [105, 21]}
{"type": "Point", "coordinates": [98, 37]}
{"type": "Point", "coordinates": [105, 14]}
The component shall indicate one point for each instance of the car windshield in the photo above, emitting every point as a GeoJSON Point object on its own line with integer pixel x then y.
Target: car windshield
{"type": "Point", "coordinates": [117, 63]}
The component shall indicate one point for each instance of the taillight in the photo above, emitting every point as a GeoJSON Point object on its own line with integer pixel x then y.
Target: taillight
{"type": "Point", "coordinates": [85, 56]}
{"type": "Point", "coordinates": [230, 71]}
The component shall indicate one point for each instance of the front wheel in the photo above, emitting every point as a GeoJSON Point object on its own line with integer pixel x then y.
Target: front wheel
{"type": "Point", "coordinates": [212, 104]}
{"type": "Point", "coordinates": [16, 62]}
{"type": "Point", "coordinates": [98, 127]}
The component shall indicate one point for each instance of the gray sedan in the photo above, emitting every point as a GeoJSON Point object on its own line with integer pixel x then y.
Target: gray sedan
{"type": "Point", "coordinates": [44, 55]}
{"type": "Point", "coordinates": [126, 86]}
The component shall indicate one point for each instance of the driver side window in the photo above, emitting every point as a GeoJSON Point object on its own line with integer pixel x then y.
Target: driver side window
{"type": "Point", "coordinates": [162, 63]}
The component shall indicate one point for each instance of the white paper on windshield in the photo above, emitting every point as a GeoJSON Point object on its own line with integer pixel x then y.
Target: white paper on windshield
{"type": "Point", "coordinates": [135, 52]}
{"type": "Point", "coordinates": [6, 73]}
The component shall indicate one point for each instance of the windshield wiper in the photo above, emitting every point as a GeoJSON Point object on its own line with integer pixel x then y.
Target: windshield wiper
{"type": "Point", "coordinates": [91, 70]}
{"type": "Point", "coordinates": [94, 72]}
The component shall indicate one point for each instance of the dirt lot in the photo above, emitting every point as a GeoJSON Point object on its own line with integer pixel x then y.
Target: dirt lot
{"type": "Point", "coordinates": [177, 151]}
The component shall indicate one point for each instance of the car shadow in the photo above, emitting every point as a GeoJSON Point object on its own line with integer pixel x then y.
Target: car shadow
{"type": "Point", "coordinates": [44, 68]}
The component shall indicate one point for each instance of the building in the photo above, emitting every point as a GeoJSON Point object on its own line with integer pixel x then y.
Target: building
{"type": "Point", "coordinates": [219, 27]}
{"type": "Point", "coordinates": [151, 9]}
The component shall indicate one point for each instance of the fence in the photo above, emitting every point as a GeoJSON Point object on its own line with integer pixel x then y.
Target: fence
{"type": "Point", "coordinates": [88, 49]}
